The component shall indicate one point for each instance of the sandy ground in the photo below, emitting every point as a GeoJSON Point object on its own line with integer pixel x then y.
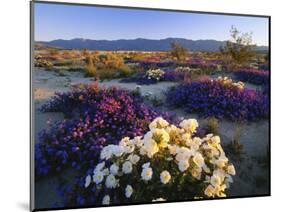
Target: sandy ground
{"type": "Point", "coordinates": [251, 178]}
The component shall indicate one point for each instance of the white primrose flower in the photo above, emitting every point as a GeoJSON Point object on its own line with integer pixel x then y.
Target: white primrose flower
{"type": "Point", "coordinates": [128, 191]}
{"type": "Point", "coordinates": [88, 181]}
{"type": "Point", "coordinates": [105, 171]}
{"type": "Point", "coordinates": [187, 138]}
{"type": "Point", "coordinates": [231, 170]}
{"type": "Point", "coordinates": [196, 172]}
{"type": "Point", "coordinates": [134, 158]}
{"type": "Point", "coordinates": [150, 147]}
{"type": "Point", "coordinates": [172, 149]}
{"type": "Point", "coordinates": [183, 165]}
{"type": "Point", "coordinates": [221, 161]}
{"type": "Point", "coordinates": [138, 141]}
{"type": "Point", "coordinates": [183, 153]}
{"type": "Point", "coordinates": [146, 174]}
{"type": "Point", "coordinates": [215, 180]}
{"type": "Point", "coordinates": [99, 167]}
{"type": "Point", "coordinates": [114, 169]}
{"type": "Point", "coordinates": [107, 152]}
{"type": "Point", "coordinates": [127, 145]}
{"type": "Point", "coordinates": [161, 137]}
{"type": "Point", "coordinates": [110, 150]}
{"type": "Point", "coordinates": [106, 200]}
{"type": "Point", "coordinates": [215, 140]}
{"type": "Point", "coordinates": [189, 125]}
{"type": "Point", "coordinates": [98, 177]}
{"type": "Point", "coordinates": [220, 172]}
{"type": "Point", "coordinates": [118, 150]}
{"type": "Point", "coordinates": [209, 191]}
{"type": "Point", "coordinates": [158, 123]}
{"type": "Point", "coordinates": [195, 143]}
{"type": "Point", "coordinates": [124, 141]}
{"type": "Point", "coordinates": [127, 167]}
{"type": "Point", "coordinates": [206, 168]}
{"type": "Point", "coordinates": [165, 177]}
{"type": "Point", "coordinates": [146, 165]}
{"type": "Point", "coordinates": [198, 160]}
{"type": "Point", "coordinates": [111, 181]}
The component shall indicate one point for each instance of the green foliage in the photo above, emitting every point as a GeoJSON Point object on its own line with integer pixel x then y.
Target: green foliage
{"type": "Point", "coordinates": [90, 69]}
{"type": "Point", "coordinates": [63, 63]}
{"type": "Point", "coordinates": [212, 125]}
{"type": "Point", "coordinates": [178, 52]}
{"type": "Point", "coordinates": [43, 64]}
{"type": "Point", "coordinates": [125, 71]}
{"type": "Point", "coordinates": [238, 50]}
{"type": "Point", "coordinates": [106, 66]}
{"type": "Point", "coordinates": [54, 52]}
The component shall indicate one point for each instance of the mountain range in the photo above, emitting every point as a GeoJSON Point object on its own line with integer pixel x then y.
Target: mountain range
{"type": "Point", "coordinates": [139, 44]}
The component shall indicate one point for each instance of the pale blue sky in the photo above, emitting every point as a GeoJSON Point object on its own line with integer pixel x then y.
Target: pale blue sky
{"type": "Point", "coordinates": [56, 21]}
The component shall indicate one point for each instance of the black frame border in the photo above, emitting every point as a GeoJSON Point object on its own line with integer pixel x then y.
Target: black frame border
{"type": "Point", "coordinates": [31, 102]}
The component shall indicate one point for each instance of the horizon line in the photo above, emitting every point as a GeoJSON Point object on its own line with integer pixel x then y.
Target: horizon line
{"type": "Point", "coordinates": [77, 38]}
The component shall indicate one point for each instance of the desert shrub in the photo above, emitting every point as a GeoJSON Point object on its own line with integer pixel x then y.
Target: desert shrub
{"type": "Point", "coordinates": [239, 50]}
{"type": "Point", "coordinates": [166, 163]}
{"type": "Point", "coordinates": [106, 74]}
{"type": "Point", "coordinates": [99, 117]}
{"type": "Point", "coordinates": [90, 69]}
{"type": "Point", "coordinates": [178, 52]}
{"type": "Point", "coordinates": [253, 76]}
{"type": "Point", "coordinates": [124, 71]}
{"type": "Point", "coordinates": [219, 98]}
{"type": "Point", "coordinates": [63, 63]}
{"type": "Point", "coordinates": [212, 125]}
{"type": "Point", "coordinates": [108, 66]}
{"type": "Point", "coordinates": [43, 64]}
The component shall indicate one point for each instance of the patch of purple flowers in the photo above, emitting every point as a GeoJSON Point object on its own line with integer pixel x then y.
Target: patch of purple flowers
{"type": "Point", "coordinates": [212, 98]}
{"type": "Point", "coordinates": [257, 77]}
{"type": "Point", "coordinates": [148, 64]}
{"type": "Point", "coordinates": [99, 116]}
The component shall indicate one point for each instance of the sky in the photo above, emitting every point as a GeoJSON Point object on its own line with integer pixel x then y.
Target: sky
{"type": "Point", "coordinates": [56, 21]}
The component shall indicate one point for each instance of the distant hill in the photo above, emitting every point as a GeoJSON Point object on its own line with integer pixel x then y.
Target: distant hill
{"type": "Point", "coordinates": [139, 44]}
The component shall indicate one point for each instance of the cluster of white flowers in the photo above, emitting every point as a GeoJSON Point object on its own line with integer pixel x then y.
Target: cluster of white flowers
{"type": "Point", "coordinates": [228, 82]}
{"type": "Point", "coordinates": [183, 69]}
{"type": "Point", "coordinates": [140, 160]}
{"type": "Point", "coordinates": [155, 74]}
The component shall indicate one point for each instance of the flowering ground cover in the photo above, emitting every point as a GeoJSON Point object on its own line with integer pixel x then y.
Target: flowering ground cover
{"type": "Point", "coordinates": [148, 65]}
{"type": "Point", "coordinates": [97, 117]}
{"type": "Point", "coordinates": [153, 76]}
{"type": "Point", "coordinates": [110, 149]}
{"type": "Point", "coordinates": [220, 98]}
{"type": "Point", "coordinates": [258, 77]}
{"type": "Point", "coordinates": [167, 163]}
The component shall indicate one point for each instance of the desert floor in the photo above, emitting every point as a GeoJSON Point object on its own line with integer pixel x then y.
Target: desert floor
{"type": "Point", "coordinates": [252, 176]}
